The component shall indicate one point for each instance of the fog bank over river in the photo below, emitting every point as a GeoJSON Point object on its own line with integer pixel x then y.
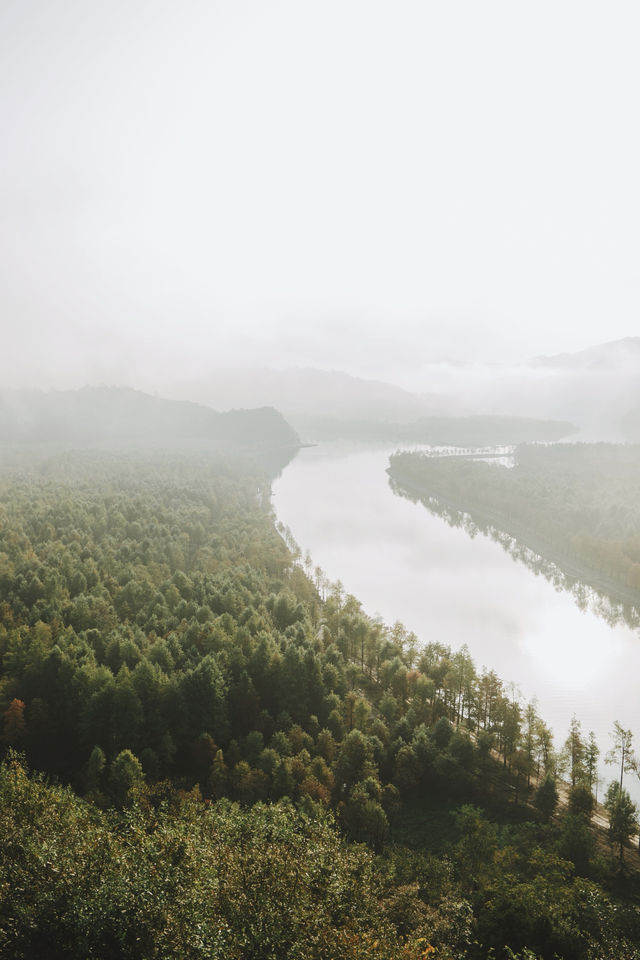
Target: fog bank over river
{"type": "Point", "coordinates": [403, 563]}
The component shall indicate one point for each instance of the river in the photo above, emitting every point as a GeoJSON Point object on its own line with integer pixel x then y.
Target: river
{"type": "Point", "coordinates": [403, 563]}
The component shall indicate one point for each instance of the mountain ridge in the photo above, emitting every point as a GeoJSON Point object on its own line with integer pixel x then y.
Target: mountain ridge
{"type": "Point", "coordinates": [110, 413]}
{"type": "Point", "coordinates": [610, 353]}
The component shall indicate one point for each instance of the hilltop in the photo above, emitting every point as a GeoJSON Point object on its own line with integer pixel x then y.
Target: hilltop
{"type": "Point", "coordinates": [96, 415]}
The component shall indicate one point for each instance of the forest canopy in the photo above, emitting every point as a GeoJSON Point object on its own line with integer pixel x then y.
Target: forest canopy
{"type": "Point", "coordinates": [211, 750]}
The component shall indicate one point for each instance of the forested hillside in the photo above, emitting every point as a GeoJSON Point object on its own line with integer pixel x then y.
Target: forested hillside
{"type": "Point", "coordinates": [96, 416]}
{"type": "Point", "coordinates": [576, 504]}
{"type": "Point", "coordinates": [213, 752]}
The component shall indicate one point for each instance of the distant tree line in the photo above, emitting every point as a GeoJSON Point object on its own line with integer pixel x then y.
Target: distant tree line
{"type": "Point", "coordinates": [476, 431]}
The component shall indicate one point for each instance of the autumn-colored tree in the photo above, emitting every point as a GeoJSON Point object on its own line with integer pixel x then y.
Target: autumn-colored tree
{"type": "Point", "coordinates": [15, 726]}
{"type": "Point", "coordinates": [218, 776]}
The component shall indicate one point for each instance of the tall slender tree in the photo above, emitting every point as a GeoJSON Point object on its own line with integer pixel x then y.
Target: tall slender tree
{"type": "Point", "coordinates": [574, 751]}
{"type": "Point", "coordinates": [591, 755]}
{"type": "Point", "coordinates": [622, 750]}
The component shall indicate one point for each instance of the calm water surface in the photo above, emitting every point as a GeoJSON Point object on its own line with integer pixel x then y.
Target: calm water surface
{"type": "Point", "coordinates": [405, 564]}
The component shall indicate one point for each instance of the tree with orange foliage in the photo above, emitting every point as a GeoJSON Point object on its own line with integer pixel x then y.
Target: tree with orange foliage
{"type": "Point", "coordinates": [15, 726]}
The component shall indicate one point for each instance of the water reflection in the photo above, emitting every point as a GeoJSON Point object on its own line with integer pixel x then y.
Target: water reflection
{"type": "Point", "coordinates": [569, 659]}
{"type": "Point", "coordinates": [585, 596]}
{"type": "Point", "coordinates": [447, 583]}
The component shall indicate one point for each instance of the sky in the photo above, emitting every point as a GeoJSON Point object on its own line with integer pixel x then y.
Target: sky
{"type": "Point", "coordinates": [357, 185]}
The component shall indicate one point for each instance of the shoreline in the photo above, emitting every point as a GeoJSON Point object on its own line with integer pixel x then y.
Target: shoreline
{"type": "Point", "coordinates": [570, 568]}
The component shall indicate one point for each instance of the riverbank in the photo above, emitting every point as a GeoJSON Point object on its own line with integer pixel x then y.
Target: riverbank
{"type": "Point", "coordinates": [573, 570]}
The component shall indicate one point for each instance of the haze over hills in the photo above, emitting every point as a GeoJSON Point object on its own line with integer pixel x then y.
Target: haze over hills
{"type": "Point", "coordinates": [329, 405]}
{"type": "Point", "coordinates": [306, 394]}
{"type": "Point", "coordinates": [615, 353]}
{"type": "Point", "coordinates": [97, 416]}
{"type": "Point", "coordinates": [595, 389]}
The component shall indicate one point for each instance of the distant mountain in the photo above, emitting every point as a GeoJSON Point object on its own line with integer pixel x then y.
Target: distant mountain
{"type": "Point", "coordinates": [601, 383]}
{"type": "Point", "coordinates": [330, 405]}
{"type": "Point", "coordinates": [307, 395]}
{"type": "Point", "coordinates": [98, 415]}
{"type": "Point", "coordinates": [593, 388]}
{"type": "Point", "coordinates": [615, 353]}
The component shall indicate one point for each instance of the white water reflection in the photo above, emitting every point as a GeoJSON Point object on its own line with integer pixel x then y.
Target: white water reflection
{"type": "Point", "coordinates": [573, 659]}
{"type": "Point", "coordinates": [403, 563]}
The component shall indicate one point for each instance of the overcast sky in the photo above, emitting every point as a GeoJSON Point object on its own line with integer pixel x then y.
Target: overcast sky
{"type": "Point", "coordinates": [357, 184]}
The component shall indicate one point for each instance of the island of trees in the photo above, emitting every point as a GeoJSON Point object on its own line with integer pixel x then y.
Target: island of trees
{"type": "Point", "coordinates": [210, 751]}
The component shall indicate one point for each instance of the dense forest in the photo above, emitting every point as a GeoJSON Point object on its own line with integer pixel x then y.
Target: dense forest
{"type": "Point", "coordinates": [575, 504]}
{"type": "Point", "coordinates": [210, 751]}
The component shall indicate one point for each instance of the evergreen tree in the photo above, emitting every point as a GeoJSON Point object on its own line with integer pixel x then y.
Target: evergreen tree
{"type": "Point", "coordinates": [546, 797]}
{"type": "Point", "coordinates": [623, 816]}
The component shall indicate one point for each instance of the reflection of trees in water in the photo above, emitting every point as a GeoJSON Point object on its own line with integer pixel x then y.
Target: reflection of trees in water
{"type": "Point", "coordinates": [273, 460]}
{"type": "Point", "coordinates": [586, 597]}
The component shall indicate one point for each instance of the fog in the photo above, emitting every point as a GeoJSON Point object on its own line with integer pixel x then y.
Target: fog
{"type": "Point", "coordinates": [384, 189]}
